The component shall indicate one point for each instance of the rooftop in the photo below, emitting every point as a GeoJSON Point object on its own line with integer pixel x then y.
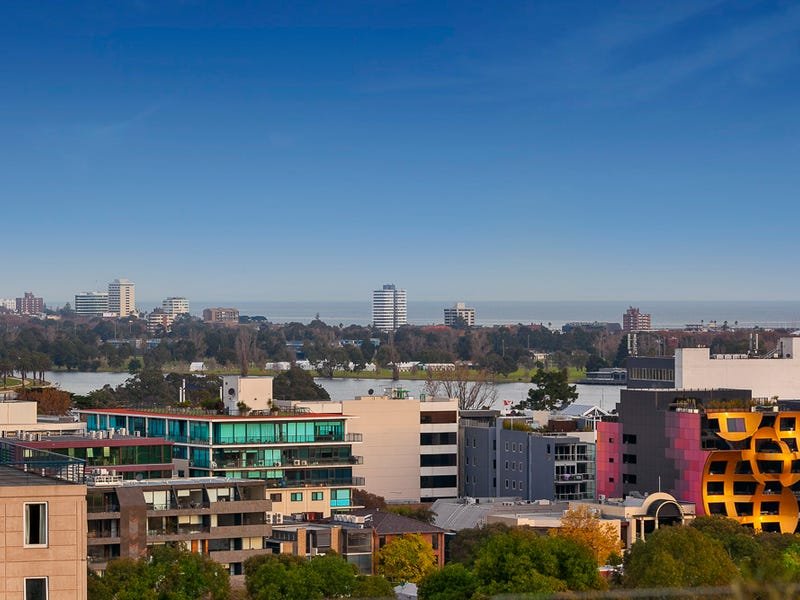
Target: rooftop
{"type": "Point", "coordinates": [389, 523]}
{"type": "Point", "coordinates": [211, 415]}
{"type": "Point", "coordinates": [11, 477]}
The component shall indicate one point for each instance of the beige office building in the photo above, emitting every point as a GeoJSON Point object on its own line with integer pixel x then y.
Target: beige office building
{"type": "Point", "coordinates": [122, 297]}
{"type": "Point", "coordinates": [409, 447]}
{"type": "Point", "coordinates": [42, 537]}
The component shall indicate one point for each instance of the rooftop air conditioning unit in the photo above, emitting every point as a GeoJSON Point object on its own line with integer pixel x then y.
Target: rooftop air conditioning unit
{"type": "Point", "coordinates": [296, 463]}
{"type": "Point", "coordinates": [304, 463]}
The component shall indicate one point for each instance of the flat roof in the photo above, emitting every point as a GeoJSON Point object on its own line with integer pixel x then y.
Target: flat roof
{"type": "Point", "coordinates": [178, 481]}
{"type": "Point", "coordinates": [10, 477]}
{"type": "Point", "coordinates": [82, 441]}
{"type": "Point", "coordinates": [179, 415]}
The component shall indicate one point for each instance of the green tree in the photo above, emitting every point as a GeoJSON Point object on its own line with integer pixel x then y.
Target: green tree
{"type": "Point", "coordinates": [168, 573]}
{"type": "Point", "coordinates": [522, 561]}
{"type": "Point", "coordinates": [406, 559]}
{"type": "Point", "coordinates": [297, 384]}
{"type": "Point", "coordinates": [678, 557]}
{"type": "Point", "coordinates": [552, 391]}
{"type": "Point", "coordinates": [134, 366]}
{"type": "Point", "coordinates": [466, 543]}
{"type": "Point", "coordinates": [373, 586]}
{"type": "Point", "coordinates": [279, 577]}
{"type": "Point", "coordinates": [454, 582]}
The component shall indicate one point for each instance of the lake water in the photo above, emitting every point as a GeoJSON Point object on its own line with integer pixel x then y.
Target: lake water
{"type": "Point", "coordinates": [603, 396]}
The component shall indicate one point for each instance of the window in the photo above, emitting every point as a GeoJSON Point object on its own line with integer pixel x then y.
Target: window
{"type": "Point", "coordinates": [610, 440]}
{"type": "Point", "coordinates": [438, 481]}
{"type": "Point", "coordinates": [36, 524]}
{"type": "Point", "coordinates": [629, 459]}
{"type": "Point", "coordinates": [513, 485]}
{"type": "Point", "coordinates": [276, 497]}
{"type": "Point", "coordinates": [520, 465]}
{"type": "Point", "coordinates": [506, 446]}
{"type": "Point", "coordinates": [316, 495]}
{"type": "Point", "coordinates": [506, 483]}
{"type": "Point", "coordinates": [611, 459]}
{"type": "Point", "coordinates": [297, 496]}
{"type": "Point", "coordinates": [36, 588]}
{"type": "Point", "coordinates": [628, 438]}
{"type": "Point", "coordinates": [628, 478]}
{"type": "Point", "coordinates": [513, 466]}
{"type": "Point", "coordinates": [610, 480]}
{"type": "Point", "coordinates": [736, 425]}
{"type": "Point", "coordinates": [506, 465]}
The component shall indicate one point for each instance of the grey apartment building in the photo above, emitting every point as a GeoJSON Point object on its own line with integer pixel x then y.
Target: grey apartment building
{"type": "Point", "coordinates": [501, 457]}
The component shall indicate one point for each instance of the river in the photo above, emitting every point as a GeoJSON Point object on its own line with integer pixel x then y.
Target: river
{"type": "Point", "coordinates": [604, 396]}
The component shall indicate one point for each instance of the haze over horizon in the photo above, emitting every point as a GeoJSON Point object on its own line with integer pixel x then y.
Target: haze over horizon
{"type": "Point", "coordinates": [529, 151]}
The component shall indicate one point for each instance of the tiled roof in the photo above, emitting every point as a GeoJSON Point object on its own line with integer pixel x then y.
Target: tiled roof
{"type": "Point", "coordinates": [389, 523]}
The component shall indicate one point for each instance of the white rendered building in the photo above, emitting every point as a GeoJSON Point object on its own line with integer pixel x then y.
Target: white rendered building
{"type": "Point", "coordinates": [122, 297]}
{"type": "Point", "coordinates": [91, 304]}
{"type": "Point", "coordinates": [778, 375]}
{"type": "Point", "coordinates": [389, 308]}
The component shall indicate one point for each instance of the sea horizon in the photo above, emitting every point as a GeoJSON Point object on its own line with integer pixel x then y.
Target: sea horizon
{"type": "Point", "coordinates": [553, 313]}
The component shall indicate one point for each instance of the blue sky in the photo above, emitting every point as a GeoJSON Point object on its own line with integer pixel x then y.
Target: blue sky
{"type": "Point", "coordinates": [295, 150]}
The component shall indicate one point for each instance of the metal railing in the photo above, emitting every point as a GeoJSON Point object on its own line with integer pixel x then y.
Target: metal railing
{"type": "Point", "coordinates": [42, 462]}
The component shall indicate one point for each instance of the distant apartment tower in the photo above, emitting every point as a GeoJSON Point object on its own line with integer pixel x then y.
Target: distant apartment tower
{"type": "Point", "coordinates": [30, 304]}
{"type": "Point", "coordinates": [8, 304]}
{"type": "Point", "coordinates": [221, 315]}
{"type": "Point", "coordinates": [633, 320]}
{"type": "Point", "coordinates": [175, 305]}
{"type": "Point", "coordinates": [460, 313]}
{"type": "Point", "coordinates": [91, 304]}
{"type": "Point", "coordinates": [122, 297]}
{"type": "Point", "coordinates": [389, 308]}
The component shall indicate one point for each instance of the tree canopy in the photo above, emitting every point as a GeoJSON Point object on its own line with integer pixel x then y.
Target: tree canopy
{"type": "Point", "coordinates": [406, 559]}
{"type": "Point", "coordinates": [552, 391]}
{"type": "Point", "coordinates": [286, 577]}
{"type": "Point", "coordinates": [678, 557]}
{"type": "Point", "coordinates": [584, 526]}
{"type": "Point", "coordinates": [297, 384]}
{"type": "Point", "coordinates": [168, 573]}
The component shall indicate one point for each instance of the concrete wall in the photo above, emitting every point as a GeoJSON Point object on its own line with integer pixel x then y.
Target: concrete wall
{"type": "Point", "coordinates": [63, 560]}
{"type": "Point", "coordinates": [255, 392]}
{"type": "Point", "coordinates": [766, 377]}
{"type": "Point", "coordinates": [17, 413]}
{"type": "Point", "coordinates": [391, 447]}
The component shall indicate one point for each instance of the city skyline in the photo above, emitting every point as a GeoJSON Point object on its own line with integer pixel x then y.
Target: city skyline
{"type": "Point", "coordinates": [315, 151]}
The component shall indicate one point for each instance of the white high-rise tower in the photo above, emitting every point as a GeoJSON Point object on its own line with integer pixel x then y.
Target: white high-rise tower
{"type": "Point", "coordinates": [122, 297]}
{"type": "Point", "coordinates": [389, 308]}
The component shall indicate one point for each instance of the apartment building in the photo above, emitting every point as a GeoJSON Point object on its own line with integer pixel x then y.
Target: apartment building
{"type": "Point", "coordinates": [227, 519]}
{"type": "Point", "coordinates": [503, 456]}
{"type": "Point", "coordinates": [42, 536]}
{"type": "Point", "coordinates": [30, 304]}
{"type": "Point", "coordinates": [410, 445]}
{"type": "Point", "coordinates": [635, 320]}
{"type": "Point", "coordinates": [221, 315]}
{"type": "Point", "coordinates": [349, 536]}
{"type": "Point", "coordinates": [122, 297]}
{"type": "Point", "coordinates": [460, 313]}
{"type": "Point", "coordinates": [175, 305]}
{"type": "Point", "coordinates": [91, 304]}
{"type": "Point", "coordinates": [305, 458]}
{"type": "Point", "coordinates": [129, 456]}
{"type": "Point", "coordinates": [389, 308]}
{"type": "Point", "coordinates": [659, 441]}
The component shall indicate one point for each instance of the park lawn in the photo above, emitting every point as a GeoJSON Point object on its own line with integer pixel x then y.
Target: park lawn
{"type": "Point", "coordinates": [11, 382]}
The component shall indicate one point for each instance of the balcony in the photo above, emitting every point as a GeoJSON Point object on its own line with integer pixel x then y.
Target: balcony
{"type": "Point", "coordinates": [573, 458]}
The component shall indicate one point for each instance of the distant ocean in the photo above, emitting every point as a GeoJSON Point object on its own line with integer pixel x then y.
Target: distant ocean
{"type": "Point", "coordinates": [665, 314]}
